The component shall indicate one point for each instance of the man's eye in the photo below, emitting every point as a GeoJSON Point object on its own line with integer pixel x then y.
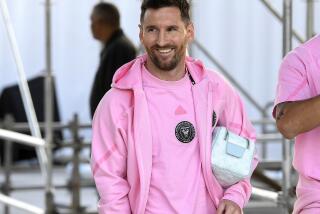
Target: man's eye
{"type": "Point", "coordinates": [172, 29]}
{"type": "Point", "coordinates": [150, 30]}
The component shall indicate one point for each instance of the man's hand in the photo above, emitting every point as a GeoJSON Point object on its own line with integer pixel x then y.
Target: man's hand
{"type": "Point", "coordinates": [228, 207]}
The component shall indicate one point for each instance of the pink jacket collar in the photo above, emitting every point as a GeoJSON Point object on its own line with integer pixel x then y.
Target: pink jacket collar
{"type": "Point", "coordinates": [129, 75]}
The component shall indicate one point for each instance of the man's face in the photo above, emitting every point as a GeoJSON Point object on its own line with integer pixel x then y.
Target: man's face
{"type": "Point", "coordinates": [165, 37]}
{"type": "Point", "coordinates": [95, 26]}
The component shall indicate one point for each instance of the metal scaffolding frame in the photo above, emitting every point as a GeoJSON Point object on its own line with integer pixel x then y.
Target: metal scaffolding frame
{"type": "Point", "coordinates": [44, 147]}
{"type": "Point", "coordinates": [49, 108]}
{"type": "Point", "coordinates": [23, 87]}
{"type": "Point", "coordinates": [42, 152]}
{"type": "Point", "coordinates": [73, 185]}
{"type": "Point", "coordinates": [21, 205]}
{"type": "Point", "coordinates": [11, 136]}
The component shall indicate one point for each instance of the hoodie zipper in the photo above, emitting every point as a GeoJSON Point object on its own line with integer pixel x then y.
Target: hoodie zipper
{"type": "Point", "coordinates": [211, 182]}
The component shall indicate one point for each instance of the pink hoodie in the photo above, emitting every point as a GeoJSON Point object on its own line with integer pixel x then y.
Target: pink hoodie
{"type": "Point", "coordinates": [121, 144]}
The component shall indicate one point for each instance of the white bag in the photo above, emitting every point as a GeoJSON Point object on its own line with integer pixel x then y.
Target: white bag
{"type": "Point", "coordinates": [231, 156]}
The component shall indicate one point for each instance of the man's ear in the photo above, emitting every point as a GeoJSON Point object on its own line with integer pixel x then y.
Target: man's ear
{"type": "Point", "coordinates": [140, 32]}
{"type": "Point", "coordinates": [190, 32]}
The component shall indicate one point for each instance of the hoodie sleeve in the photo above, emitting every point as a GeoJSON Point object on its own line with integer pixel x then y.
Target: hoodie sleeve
{"type": "Point", "coordinates": [108, 159]}
{"type": "Point", "coordinates": [236, 121]}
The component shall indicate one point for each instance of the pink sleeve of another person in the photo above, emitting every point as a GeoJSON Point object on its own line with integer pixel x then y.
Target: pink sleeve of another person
{"type": "Point", "coordinates": [293, 82]}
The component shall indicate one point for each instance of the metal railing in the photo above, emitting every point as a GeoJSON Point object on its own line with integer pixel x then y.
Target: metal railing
{"type": "Point", "coordinates": [10, 136]}
{"type": "Point", "coordinates": [77, 143]}
{"type": "Point", "coordinates": [20, 205]}
{"type": "Point", "coordinates": [24, 88]}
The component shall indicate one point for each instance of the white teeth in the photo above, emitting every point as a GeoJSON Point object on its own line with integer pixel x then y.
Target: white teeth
{"type": "Point", "coordinates": [164, 50]}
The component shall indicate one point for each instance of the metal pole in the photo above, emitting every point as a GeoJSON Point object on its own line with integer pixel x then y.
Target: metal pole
{"type": "Point", "coordinates": [264, 128]}
{"type": "Point", "coordinates": [310, 19]}
{"type": "Point", "coordinates": [75, 181]}
{"type": "Point", "coordinates": [265, 194]}
{"type": "Point", "coordinates": [20, 205]}
{"type": "Point", "coordinates": [49, 109]}
{"type": "Point", "coordinates": [287, 45]}
{"type": "Point", "coordinates": [8, 153]}
{"type": "Point", "coordinates": [280, 18]}
{"type": "Point", "coordinates": [22, 138]}
{"type": "Point", "coordinates": [286, 180]}
{"type": "Point", "coordinates": [7, 170]}
{"type": "Point", "coordinates": [287, 26]}
{"type": "Point", "coordinates": [24, 89]}
{"type": "Point", "coordinates": [8, 121]}
{"type": "Point", "coordinates": [228, 76]}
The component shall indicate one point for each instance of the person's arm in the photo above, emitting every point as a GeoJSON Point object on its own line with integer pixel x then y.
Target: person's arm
{"type": "Point", "coordinates": [109, 159]}
{"type": "Point", "coordinates": [297, 117]}
{"type": "Point", "coordinates": [236, 196]}
{"type": "Point", "coordinates": [296, 109]}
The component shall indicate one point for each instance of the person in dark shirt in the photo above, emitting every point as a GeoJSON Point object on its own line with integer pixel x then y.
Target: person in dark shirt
{"type": "Point", "coordinates": [118, 49]}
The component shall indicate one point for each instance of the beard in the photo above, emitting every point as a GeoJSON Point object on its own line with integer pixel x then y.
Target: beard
{"type": "Point", "coordinates": [167, 65]}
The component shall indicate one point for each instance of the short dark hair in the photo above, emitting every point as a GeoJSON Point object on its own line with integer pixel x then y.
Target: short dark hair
{"type": "Point", "coordinates": [108, 13]}
{"type": "Point", "coordinates": [183, 6]}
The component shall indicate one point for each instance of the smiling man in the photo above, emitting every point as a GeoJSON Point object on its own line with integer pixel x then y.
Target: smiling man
{"type": "Point", "coordinates": [152, 131]}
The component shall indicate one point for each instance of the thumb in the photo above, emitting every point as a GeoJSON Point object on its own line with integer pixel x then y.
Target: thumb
{"type": "Point", "coordinates": [221, 207]}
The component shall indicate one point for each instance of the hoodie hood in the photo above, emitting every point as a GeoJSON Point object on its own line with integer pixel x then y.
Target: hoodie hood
{"type": "Point", "coordinates": [129, 75]}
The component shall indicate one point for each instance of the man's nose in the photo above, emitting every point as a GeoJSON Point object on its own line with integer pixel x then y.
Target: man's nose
{"type": "Point", "coordinates": [162, 38]}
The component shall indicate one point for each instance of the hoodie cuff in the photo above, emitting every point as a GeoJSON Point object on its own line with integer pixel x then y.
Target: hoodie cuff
{"type": "Point", "coordinates": [236, 198]}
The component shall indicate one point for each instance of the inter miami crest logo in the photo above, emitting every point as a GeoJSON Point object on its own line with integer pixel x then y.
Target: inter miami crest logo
{"type": "Point", "coordinates": [185, 132]}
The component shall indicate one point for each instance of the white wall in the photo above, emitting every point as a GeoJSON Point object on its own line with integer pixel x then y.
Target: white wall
{"type": "Point", "coordinates": [247, 39]}
{"type": "Point", "coordinates": [242, 35]}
